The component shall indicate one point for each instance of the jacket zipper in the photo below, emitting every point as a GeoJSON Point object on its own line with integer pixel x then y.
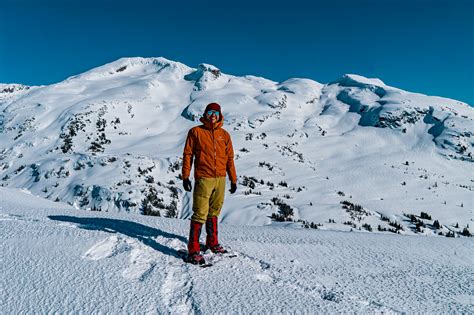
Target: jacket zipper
{"type": "Point", "coordinates": [215, 158]}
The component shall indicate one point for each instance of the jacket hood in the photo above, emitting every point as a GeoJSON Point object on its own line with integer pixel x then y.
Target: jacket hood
{"type": "Point", "coordinates": [210, 126]}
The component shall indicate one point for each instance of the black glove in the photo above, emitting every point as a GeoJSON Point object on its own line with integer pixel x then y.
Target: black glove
{"type": "Point", "coordinates": [233, 187]}
{"type": "Point", "coordinates": [187, 184]}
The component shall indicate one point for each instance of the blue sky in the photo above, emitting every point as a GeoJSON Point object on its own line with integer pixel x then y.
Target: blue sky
{"type": "Point", "coordinates": [419, 45]}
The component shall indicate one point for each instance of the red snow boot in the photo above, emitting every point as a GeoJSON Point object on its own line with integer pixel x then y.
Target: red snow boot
{"type": "Point", "coordinates": [212, 241]}
{"type": "Point", "coordinates": [218, 249]}
{"type": "Point", "coordinates": [196, 259]}
{"type": "Point", "coordinates": [193, 243]}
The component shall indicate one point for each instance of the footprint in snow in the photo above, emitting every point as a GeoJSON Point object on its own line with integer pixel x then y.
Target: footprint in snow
{"type": "Point", "coordinates": [142, 263]}
{"type": "Point", "coordinates": [142, 259]}
{"type": "Point", "coordinates": [106, 248]}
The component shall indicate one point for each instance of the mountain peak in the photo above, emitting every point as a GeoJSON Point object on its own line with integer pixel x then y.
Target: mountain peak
{"type": "Point", "coordinates": [358, 81]}
{"type": "Point", "coordinates": [205, 76]}
{"type": "Point", "coordinates": [140, 65]}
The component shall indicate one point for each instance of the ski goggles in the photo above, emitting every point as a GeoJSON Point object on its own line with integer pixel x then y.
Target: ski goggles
{"type": "Point", "coordinates": [210, 112]}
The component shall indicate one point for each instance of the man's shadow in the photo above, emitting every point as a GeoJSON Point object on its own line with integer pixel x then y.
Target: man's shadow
{"type": "Point", "coordinates": [140, 232]}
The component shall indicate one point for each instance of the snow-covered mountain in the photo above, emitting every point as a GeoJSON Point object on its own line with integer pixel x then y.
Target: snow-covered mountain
{"type": "Point", "coordinates": [351, 154]}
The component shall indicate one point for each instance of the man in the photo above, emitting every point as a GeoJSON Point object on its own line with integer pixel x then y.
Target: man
{"type": "Point", "coordinates": [210, 146]}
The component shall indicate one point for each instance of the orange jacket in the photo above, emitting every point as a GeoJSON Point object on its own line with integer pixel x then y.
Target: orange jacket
{"type": "Point", "coordinates": [212, 149]}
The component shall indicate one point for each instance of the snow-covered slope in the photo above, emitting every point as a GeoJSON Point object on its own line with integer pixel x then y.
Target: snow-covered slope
{"type": "Point", "coordinates": [351, 154]}
{"type": "Point", "coordinates": [56, 259]}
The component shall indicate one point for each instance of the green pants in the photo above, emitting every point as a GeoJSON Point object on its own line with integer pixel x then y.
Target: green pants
{"type": "Point", "coordinates": [208, 198]}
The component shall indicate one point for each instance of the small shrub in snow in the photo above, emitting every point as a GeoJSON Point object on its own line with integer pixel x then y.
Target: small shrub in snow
{"type": "Point", "coordinates": [310, 225]}
{"type": "Point", "coordinates": [151, 205]}
{"type": "Point", "coordinates": [450, 234]}
{"type": "Point", "coordinates": [285, 210]}
{"type": "Point", "coordinates": [249, 181]}
{"type": "Point", "coordinates": [147, 208]}
{"type": "Point", "coordinates": [174, 192]}
{"type": "Point", "coordinates": [425, 215]}
{"type": "Point", "coordinates": [18, 170]}
{"type": "Point", "coordinates": [279, 217]}
{"type": "Point", "coordinates": [396, 225]}
{"type": "Point", "coordinates": [267, 165]}
{"type": "Point", "coordinates": [172, 209]}
{"type": "Point", "coordinates": [367, 226]}
{"type": "Point", "coordinates": [419, 226]}
{"type": "Point", "coordinates": [35, 173]}
{"type": "Point", "coordinates": [465, 232]}
{"type": "Point", "coordinates": [352, 224]}
{"type": "Point", "coordinates": [355, 211]}
{"type": "Point", "coordinates": [350, 206]}
{"type": "Point", "coordinates": [142, 171]}
{"type": "Point", "coordinates": [175, 166]}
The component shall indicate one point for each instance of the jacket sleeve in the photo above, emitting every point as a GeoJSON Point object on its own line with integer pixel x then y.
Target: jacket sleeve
{"type": "Point", "coordinates": [230, 167]}
{"type": "Point", "coordinates": [188, 155]}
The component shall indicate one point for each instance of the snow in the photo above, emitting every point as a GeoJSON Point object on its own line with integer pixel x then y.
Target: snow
{"type": "Point", "coordinates": [56, 259]}
{"type": "Point", "coordinates": [113, 136]}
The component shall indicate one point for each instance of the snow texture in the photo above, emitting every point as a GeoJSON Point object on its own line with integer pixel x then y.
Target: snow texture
{"type": "Point", "coordinates": [56, 259]}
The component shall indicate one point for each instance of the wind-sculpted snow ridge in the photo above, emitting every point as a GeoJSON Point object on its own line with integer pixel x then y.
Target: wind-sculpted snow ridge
{"type": "Point", "coordinates": [354, 154]}
{"type": "Point", "coordinates": [59, 260]}
{"type": "Point", "coordinates": [381, 106]}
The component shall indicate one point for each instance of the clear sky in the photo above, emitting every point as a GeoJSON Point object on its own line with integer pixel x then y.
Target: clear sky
{"type": "Point", "coordinates": [417, 45]}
